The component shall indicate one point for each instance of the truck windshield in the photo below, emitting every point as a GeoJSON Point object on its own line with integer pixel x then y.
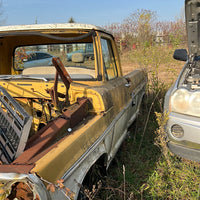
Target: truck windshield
{"type": "Point", "coordinates": [78, 58]}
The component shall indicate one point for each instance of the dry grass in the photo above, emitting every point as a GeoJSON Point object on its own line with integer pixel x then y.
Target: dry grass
{"type": "Point", "coordinates": [152, 172]}
{"type": "Point", "coordinates": [168, 67]}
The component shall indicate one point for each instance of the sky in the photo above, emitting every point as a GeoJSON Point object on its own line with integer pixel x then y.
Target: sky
{"type": "Point", "coordinates": [102, 12]}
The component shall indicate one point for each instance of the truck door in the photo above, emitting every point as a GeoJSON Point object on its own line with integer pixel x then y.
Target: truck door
{"type": "Point", "coordinates": [120, 94]}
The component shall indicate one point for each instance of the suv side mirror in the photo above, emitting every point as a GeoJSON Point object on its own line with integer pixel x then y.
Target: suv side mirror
{"type": "Point", "coordinates": [78, 58]}
{"type": "Point", "coordinates": [180, 54]}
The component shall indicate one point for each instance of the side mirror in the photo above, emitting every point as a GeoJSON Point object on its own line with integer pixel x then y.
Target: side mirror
{"type": "Point", "coordinates": [180, 54]}
{"type": "Point", "coordinates": [78, 58]}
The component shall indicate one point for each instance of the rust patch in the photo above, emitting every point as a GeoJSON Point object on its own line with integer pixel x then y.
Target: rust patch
{"type": "Point", "coordinates": [62, 72]}
{"type": "Point", "coordinates": [47, 135]}
{"type": "Point", "coordinates": [21, 191]}
{"type": "Point", "coordinates": [20, 169]}
{"type": "Point", "coordinates": [78, 112]}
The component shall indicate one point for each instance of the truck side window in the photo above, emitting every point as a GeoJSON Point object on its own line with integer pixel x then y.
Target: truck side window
{"type": "Point", "coordinates": [108, 59]}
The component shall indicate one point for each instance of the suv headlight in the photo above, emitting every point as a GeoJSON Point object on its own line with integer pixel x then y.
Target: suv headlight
{"type": "Point", "coordinates": [185, 102]}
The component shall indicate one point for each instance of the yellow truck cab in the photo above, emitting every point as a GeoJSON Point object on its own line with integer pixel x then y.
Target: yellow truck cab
{"type": "Point", "coordinates": [64, 107]}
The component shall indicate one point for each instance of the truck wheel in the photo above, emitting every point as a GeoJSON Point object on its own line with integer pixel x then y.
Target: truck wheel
{"type": "Point", "coordinates": [94, 175]}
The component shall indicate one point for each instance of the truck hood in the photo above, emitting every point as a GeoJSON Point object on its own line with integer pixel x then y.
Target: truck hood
{"type": "Point", "coordinates": [192, 15]}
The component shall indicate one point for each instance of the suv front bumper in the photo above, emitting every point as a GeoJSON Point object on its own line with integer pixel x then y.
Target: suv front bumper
{"type": "Point", "coordinates": [188, 145]}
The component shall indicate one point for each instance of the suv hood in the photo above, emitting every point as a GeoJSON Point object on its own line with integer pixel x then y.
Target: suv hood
{"type": "Point", "coordinates": [192, 15]}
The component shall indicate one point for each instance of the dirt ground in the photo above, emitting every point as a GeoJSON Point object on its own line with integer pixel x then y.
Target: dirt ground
{"type": "Point", "coordinates": [128, 67]}
{"type": "Point", "coordinates": [167, 74]}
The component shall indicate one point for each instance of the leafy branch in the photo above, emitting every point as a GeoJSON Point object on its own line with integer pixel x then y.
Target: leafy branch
{"type": "Point", "coordinates": [59, 186]}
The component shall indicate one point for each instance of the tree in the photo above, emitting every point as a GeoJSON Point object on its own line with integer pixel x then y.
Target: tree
{"type": "Point", "coordinates": [139, 26]}
{"type": "Point", "coordinates": [71, 20]}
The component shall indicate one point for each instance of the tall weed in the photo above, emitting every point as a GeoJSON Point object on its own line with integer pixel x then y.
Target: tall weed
{"type": "Point", "coordinates": [152, 172]}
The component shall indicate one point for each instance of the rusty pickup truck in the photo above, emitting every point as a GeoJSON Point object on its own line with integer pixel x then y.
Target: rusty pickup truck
{"type": "Point", "coordinates": [61, 117]}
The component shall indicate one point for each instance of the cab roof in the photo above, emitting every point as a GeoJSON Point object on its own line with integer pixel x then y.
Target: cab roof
{"type": "Point", "coordinates": [49, 27]}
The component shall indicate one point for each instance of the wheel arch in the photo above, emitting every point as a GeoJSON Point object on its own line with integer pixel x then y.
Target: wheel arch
{"type": "Point", "coordinates": [92, 175]}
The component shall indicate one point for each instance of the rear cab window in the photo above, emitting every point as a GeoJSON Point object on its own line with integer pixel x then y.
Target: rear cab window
{"type": "Point", "coordinates": [78, 59]}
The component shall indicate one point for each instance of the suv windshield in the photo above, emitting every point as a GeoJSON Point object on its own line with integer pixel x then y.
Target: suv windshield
{"type": "Point", "coordinates": [78, 59]}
